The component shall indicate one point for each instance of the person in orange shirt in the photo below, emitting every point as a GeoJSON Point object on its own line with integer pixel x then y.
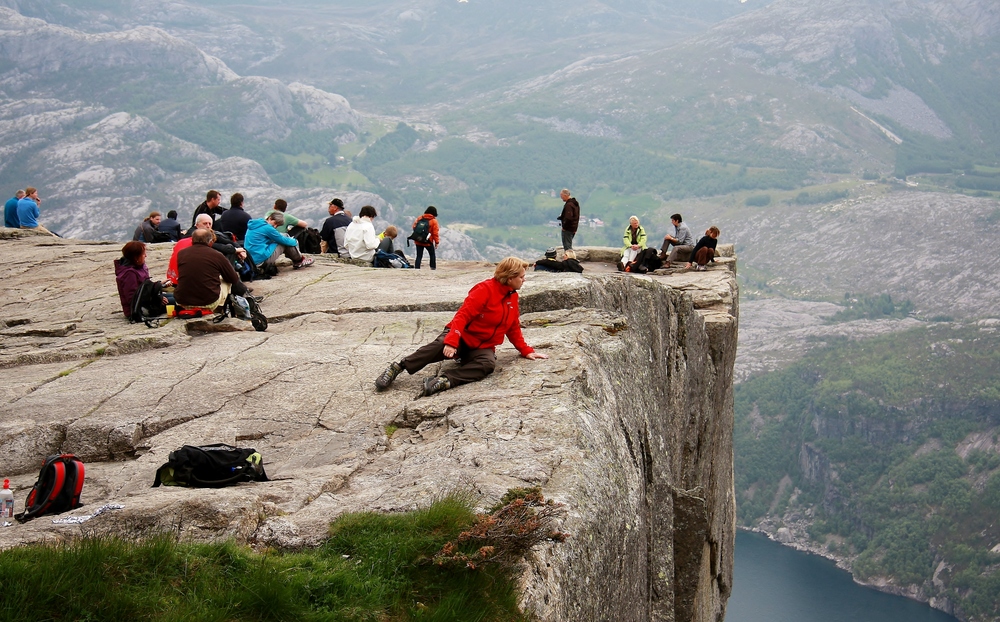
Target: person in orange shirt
{"type": "Point", "coordinates": [426, 236]}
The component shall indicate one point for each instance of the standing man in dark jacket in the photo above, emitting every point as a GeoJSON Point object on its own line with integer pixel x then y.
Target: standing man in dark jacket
{"type": "Point", "coordinates": [235, 219]}
{"type": "Point", "coordinates": [209, 206]}
{"type": "Point", "coordinates": [570, 219]}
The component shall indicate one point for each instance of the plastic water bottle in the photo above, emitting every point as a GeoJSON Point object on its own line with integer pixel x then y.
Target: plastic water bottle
{"type": "Point", "coordinates": [6, 500]}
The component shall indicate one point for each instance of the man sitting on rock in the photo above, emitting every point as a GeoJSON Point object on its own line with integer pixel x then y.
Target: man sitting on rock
{"type": "Point", "coordinates": [10, 211]}
{"type": "Point", "coordinates": [170, 226]}
{"type": "Point", "coordinates": [682, 240]}
{"type": "Point", "coordinates": [209, 206]}
{"type": "Point", "coordinates": [203, 222]}
{"type": "Point", "coordinates": [334, 227]}
{"type": "Point", "coordinates": [291, 223]}
{"type": "Point", "coordinates": [488, 314]}
{"type": "Point", "coordinates": [265, 244]}
{"type": "Point", "coordinates": [235, 219]}
{"type": "Point", "coordinates": [204, 275]}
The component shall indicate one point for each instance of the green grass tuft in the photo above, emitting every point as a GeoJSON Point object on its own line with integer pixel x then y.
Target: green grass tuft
{"type": "Point", "coordinates": [373, 567]}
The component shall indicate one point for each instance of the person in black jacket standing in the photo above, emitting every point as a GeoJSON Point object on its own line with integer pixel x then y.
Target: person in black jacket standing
{"type": "Point", "coordinates": [570, 219]}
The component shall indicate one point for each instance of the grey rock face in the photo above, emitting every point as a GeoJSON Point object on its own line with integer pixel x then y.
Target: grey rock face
{"type": "Point", "coordinates": [629, 422]}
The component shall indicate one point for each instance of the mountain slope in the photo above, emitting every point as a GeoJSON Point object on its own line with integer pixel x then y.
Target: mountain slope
{"type": "Point", "coordinates": [777, 86]}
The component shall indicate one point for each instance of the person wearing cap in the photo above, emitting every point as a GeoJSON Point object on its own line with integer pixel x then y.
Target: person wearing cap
{"type": "Point", "coordinates": [488, 315]}
{"type": "Point", "coordinates": [332, 234]}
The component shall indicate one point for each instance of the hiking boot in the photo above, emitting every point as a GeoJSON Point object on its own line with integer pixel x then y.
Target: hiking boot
{"type": "Point", "coordinates": [436, 385]}
{"type": "Point", "coordinates": [388, 376]}
{"type": "Point", "coordinates": [305, 263]}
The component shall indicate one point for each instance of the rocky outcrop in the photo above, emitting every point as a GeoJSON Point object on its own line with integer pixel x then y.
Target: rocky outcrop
{"type": "Point", "coordinates": [628, 422]}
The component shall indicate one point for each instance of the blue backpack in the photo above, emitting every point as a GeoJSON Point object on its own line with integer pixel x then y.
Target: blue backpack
{"type": "Point", "coordinates": [383, 259]}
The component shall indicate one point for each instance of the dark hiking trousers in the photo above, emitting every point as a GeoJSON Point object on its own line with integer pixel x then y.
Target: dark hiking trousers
{"type": "Point", "coordinates": [473, 365]}
{"type": "Point", "coordinates": [420, 255]}
{"type": "Point", "coordinates": [705, 254]}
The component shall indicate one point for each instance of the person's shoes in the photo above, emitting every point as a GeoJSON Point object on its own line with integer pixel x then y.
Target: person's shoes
{"type": "Point", "coordinates": [436, 385]}
{"type": "Point", "coordinates": [388, 376]}
{"type": "Point", "coordinates": [257, 299]}
{"type": "Point", "coordinates": [305, 263]}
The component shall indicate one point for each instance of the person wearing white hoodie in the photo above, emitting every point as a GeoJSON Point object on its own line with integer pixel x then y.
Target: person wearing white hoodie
{"type": "Point", "coordinates": [360, 236]}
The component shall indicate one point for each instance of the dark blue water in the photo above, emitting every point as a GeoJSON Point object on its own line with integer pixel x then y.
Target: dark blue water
{"type": "Point", "coordinates": [774, 583]}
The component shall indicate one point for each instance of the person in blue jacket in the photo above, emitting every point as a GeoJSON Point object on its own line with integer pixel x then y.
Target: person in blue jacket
{"type": "Point", "coordinates": [10, 211]}
{"type": "Point", "coordinates": [28, 212]}
{"type": "Point", "coordinates": [266, 244]}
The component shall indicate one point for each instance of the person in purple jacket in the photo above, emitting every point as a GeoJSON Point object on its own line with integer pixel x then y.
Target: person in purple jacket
{"type": "Point", "coordinates": [130, 272]}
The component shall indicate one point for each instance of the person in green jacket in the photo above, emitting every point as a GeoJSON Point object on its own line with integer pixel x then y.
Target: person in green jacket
{"type": "Point", "coordinates": [634, 241]}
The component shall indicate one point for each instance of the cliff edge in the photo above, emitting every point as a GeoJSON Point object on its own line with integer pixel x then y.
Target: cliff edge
{"type": "Point", "coordinates": [628, 423]}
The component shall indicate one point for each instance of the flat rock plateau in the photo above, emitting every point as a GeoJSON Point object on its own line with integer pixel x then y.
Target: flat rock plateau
{"type": "Point", "coordinates": [628, 423]}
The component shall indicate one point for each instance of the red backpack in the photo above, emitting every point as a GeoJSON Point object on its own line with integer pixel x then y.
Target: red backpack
{"type": "Point", "coordinates": [57, 489]}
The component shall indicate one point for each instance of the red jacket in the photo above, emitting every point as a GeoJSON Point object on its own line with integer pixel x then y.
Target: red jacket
{"type": "Point", "coordinates": [488, 314]}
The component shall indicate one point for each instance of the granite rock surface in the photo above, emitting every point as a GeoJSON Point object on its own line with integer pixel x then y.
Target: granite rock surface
{"type": "Point", "coordinates": [628, 423]}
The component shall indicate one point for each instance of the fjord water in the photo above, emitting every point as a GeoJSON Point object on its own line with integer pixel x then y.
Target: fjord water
{"type": "Point", "coordinates": [774, 583]}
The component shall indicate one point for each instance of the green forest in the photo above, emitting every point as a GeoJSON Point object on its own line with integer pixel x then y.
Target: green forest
{"type": "Point", "coordinates": [887, 426]}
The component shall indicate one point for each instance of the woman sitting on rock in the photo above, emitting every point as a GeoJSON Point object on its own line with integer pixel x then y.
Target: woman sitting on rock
{"type": "Point", "coordinates": [634, 242]}
{"type": "Point", "coordinates": [704, 251]}
{"type": "Point", "coordinates": [130, 272]}
{"type": "Point", "coordinates": [488, 314]}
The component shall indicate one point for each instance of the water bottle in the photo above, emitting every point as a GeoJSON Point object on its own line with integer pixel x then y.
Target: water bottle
{"type": "Point", "coordinates": [6, 500]}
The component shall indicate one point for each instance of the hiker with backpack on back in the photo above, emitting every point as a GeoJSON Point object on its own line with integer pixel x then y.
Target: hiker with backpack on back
{"type": "Point", "coordinates": [425, 236]}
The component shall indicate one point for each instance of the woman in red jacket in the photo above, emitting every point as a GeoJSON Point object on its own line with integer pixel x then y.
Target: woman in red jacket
{"type": "Point", "coordinates": [488, 314]}
{"type": "Point", "coordinates": [429, 240]}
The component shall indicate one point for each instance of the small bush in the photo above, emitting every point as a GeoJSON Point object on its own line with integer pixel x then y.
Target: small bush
{"type": "Point", "coordinates": [758, 200]}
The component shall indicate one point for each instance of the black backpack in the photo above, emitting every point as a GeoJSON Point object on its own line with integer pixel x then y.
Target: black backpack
{"type": "Point", "coordinates": [308, 241]}
{"type": "Point", "coordinates": [147, 304]}
{"type": "Point", "coordinates": [421, 232]}
{"type": "Point", "coordinates": [57, 489]}
{"type": "Point", "coordinates": [211, 466]}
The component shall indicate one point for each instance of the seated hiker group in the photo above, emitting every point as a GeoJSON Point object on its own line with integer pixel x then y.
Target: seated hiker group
{"type": "Point", "coordinates": [638, 258]}
{"type": "Point", "coordinates": [225, 248]}
{"type": "Point", "coordinates": [21, 211]}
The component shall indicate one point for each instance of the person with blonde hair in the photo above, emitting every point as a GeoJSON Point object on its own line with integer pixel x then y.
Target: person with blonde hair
{"type": "Point", "coordinates": [489, 314]}
{"type": "Point", "coordinates": [634, 242]}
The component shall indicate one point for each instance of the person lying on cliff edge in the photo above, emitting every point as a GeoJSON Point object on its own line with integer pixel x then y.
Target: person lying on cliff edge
{"type": "Point", "coordinates": [488, 314]}
{"type": "Point", "coordinates": [704, 250]}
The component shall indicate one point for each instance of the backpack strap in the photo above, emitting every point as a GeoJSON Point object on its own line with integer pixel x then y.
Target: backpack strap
{"type": "Point", "coordinates": [78, 483]}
